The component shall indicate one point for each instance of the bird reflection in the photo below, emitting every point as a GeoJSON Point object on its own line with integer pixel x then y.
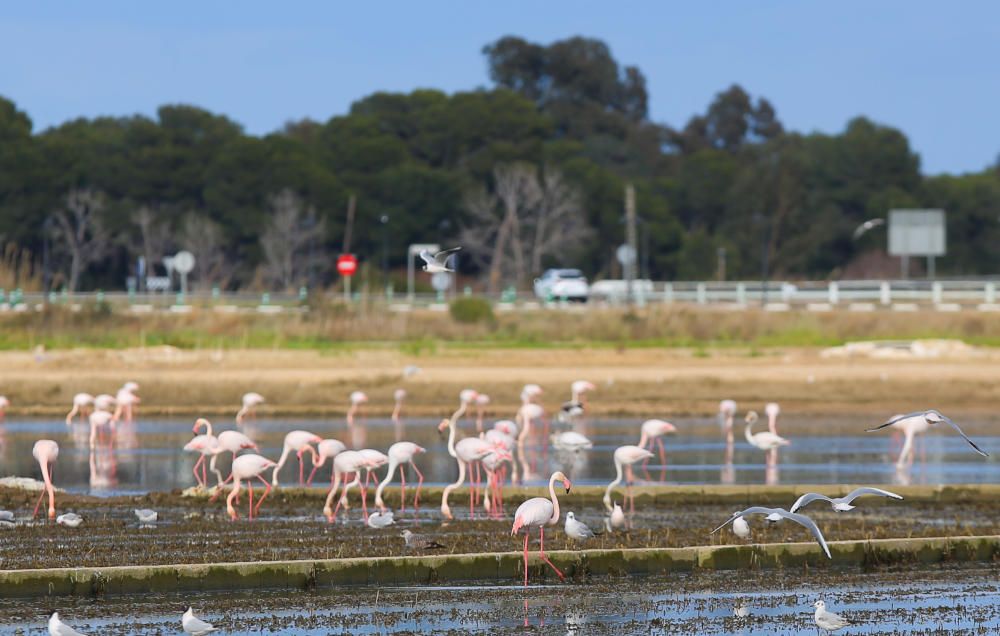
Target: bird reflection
{"type": "Point", "coordinates": [103, 468]}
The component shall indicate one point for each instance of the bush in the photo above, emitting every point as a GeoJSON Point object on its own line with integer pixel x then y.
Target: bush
{"type": "Point", "coordinates": [471, 310]}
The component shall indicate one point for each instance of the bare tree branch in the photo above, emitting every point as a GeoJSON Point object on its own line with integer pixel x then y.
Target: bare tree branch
{"type": "Point", "coordinates": [84, 237]}
{"type": "Point", "coordinates": [153, 233]}
{"type": "Point", "coordinates": [287, 237]}
{"type": "Point", "coordinates": [204, 239]}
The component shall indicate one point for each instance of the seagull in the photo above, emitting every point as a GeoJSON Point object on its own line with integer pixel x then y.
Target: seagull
{"type": "Point", "coordinates": [70, 519]}
{"type": "Point", "coordinates": [740, 527]}
{"type": "Point", "coordinates": [839, 504]}
{"type": "Point", "coordinates": [798, 518]}
{"type": "Point", "coordinates": [571, 441]}
{"type": "Point", "coordinates": [437, 262]}
{"type": "Point", "coordinates": [828, 621]}
{"type": "Point", "coordinates": [194, 625]}
{"type": "Point", "coordinates": [59, 628]}
{"type": "Point", "coordinates": [379, 520]}
{"type": "Point", "coordinates": [418, 542]}
{"type": "Point", "coordinates": [932, 417]}
{"type": "Point", "coordinates": [6, 515]}
{"type": "Point", "coordinates": [577, 529]}
{"type": "Point", "coordinates": [740, 610]}
{"type": "Point", "coordinates": [410, 370]}
{"type": "Point", "coordinates": [617, 519]}
{"type": "Point", "coordinates": [867, 225]}
{"type": "Point", "coordinates": [146, 516]}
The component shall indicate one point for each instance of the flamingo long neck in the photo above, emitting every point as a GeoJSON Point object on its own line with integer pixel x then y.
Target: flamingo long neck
{"type": "Point", "coordinates": [203, 424]}
{"type": "Point", "coordinates": [459, 413]}
{"type": "Point", "coordinates": [451, 438]}
{"type": "Point", "coordinates": [445, 508]}
{"type": "Point", "coordinates": [393, 464]}
{"type": "Point", "coordinates": [643, 438]}
{"type": "Point", "coordinates": [396, 411]}
{"type": "Point", "coordinates": [772, 423]}
{"type": "Point", "coordinates": [212, 467]}
{"type": "Point", "coordinates": [350, 414]}
{"type": "Point", "coordinates": [618, 480]}
{"type": "Point", "coordinates": [281, 462]}
{"type": "Point", "coordinates": [747, 433]}
{"type": "Point", "coordinates": [555, 501]}
{"type": "Point", "coordinates": [525, 428]}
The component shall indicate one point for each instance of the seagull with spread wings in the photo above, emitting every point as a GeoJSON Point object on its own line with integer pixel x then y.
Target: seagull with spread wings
{"type": "Point", "coordinates": [931, 417]}
{"type": "Point", "coordinates": [798, 518]}
{"type": "Point", "coordinates": [436, 263]}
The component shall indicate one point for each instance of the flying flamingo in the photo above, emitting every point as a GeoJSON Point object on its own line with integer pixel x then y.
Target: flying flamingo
{"type": "Point", "coordinates": [205, 445]}
{"type": "Point", "coordinates": [625, 457]}
{"type": "Point", "coordinates": [357, 399]}
{"type": "Point", "coordinates": [772, 410]}
{"type": "Point", "coordinates": [299, 443]}
{"type": "Point", "coordinates": [400, 454]}
{"type": "Point", "coordinates": [82, 404]}
{"type": "Point", "coordinates": [727, 409]}
{"type": "Point", "coordinates": [654, 430]}
{"type": "Point", "coordinates": [327, 449]}
{"type": "Point", "coordinates": [482, 401]}
{"type": "Point", "coordinates": [45, 452]}
{"type": "Point", "coordinates": [247, 467]}
{"type": "Point", "coordinates": [229, 442]}
{"type": "Point", "coordinates": [346, 463]}
{"type": "Point", "coordinates": [539, 512]}
{"type": "Point", "coordinates": [398, 396]}
{"type": "Point", "coordinates": [249, 409]}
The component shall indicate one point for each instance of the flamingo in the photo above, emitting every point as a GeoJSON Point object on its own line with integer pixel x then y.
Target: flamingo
{"type": "Point", "coordinates": [465, 451]}
{"type": "Point", "coordinates": [4, 405]}
{"type": "Point", "coordinates": [400, 454]}
{"type": "Point", "coordinates": [344, 464]}
{"type": "Point", "coordinates": [357, 399]}
{"type": "Point", "coordinates": [772, 410]}
{"type": "Point", "coordinates": [45, 452]}
{"type": "Point", "coordinates": [727, 409]}
{"type": "Point", "coordinates": [482, 401]}
{"type": "Point", "coordinates": [247, 467]}
{"type": "Point", "coordinates": [229, 442]}
{"type": "Point", "coordinates": [327, 449]}
{"type": "Point", "coordinates": [766, 440]}
{"type": "Point", "coordinates": [577, 402]}
{"type": "Point", "coordinates": [528, 412]}
{"type": "Point", "coordinates": [625, 457]}
{"type": "Point", "coordinates": [126, 400]}
{"type": "Point", "coordinates": [82, 404]}
{"type": "Point", "coordinates": [398, 396]}
{"type": "Point", "coordinates": [251, 401]}
{"type": "Point", "coordinates": [539, 512]}
{"type": "Point", "coordinates": [204, 445]}
{"type": "Point", "coordinates": [374, 460]}
{"type": "Point", "coordinates": [104, 402]}
{"type": "Point", "coordinates": [493, 501]}
{"type": "Point", "coordinates": [654, 430]}
{"type": "Point", "coordinates": [297, 442]}
{"type": "Point", "coordinates": [465, 398]}
{"type": "Point", "coordinates": [99, 420]}
{"type": "Point", "coordinates": [530, 392]}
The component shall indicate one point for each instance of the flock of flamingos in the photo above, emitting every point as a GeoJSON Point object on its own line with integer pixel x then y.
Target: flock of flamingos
{"type": "Point", "coordinates": [499, 452]}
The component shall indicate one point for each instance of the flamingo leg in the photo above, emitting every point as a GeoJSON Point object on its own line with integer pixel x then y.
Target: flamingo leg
{"type": "Point", "coordinates": [364, 496]}
{"type": "Point", "coordinates": [663, 460]}
{"type": "Point", "coordinates": [38, 504]}
{"type": "Point", "coordinates": [342, 498]}
{"type": "Point", "coordinates": [218, 490]}
{"type": "Point", "coordinates": [250, 510]}
{"type": "Point", "coordinates": [402, 487]}
{"type": "Point", "coordinates": [526, 557]}
{"type": "Point", "coordinates": [420, 482]}
{"type": "Point", "coordinates": [197, 477]}
{"type": "Point", "coordinates": [541, 553]}
{"type": "Point", "coordinates": [645, 462]}
{"type": "Point", "coordinates": [204, 472]}
{"type": "Point", "coordinates": [628, 488]}
{"type": "Point", "coordinates": [302, 479]}
{"type": "Point", "coordinates": [267, 490]}
{"type": "Point", "coordinates": [312, 474]}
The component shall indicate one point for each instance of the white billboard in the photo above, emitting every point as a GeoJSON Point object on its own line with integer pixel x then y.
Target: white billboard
{"type": "Point", "coordinates": [917, 233]}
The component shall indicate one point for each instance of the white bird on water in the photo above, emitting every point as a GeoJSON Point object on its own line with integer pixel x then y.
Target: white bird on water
{"type": "Point", "coordinates": [828, 621]}
{"type": "Point", "coordinates": [616, 521]}
{"type": "Point", "coordinates": [194, 625]}
{"type": "Point", "coordinates": [380, 519]}
{"type": "Point", "coordinates": [146, 516]}
{"type": "Point", "coordinates": [59, 628]}
{"type": "Point", "coordinates": [798, 518]}
{"type": "Point", "coordinates": [70, 520]}
{"type": "Point", "coordinates": [576, 529]}
{"type": "Point", "coordinates": [765, 440]}
{"type": "Point", "coordinates": [436, 263]}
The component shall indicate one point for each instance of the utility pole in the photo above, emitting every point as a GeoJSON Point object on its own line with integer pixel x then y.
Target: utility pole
{"type": "Point", "coordinates": [347, 242]}
{"type": "Point", "coordinates": [630, 239]}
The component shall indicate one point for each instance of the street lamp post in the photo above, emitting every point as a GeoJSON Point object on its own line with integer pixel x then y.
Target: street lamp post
{"type": "Point", "coordinates": [384, 221]}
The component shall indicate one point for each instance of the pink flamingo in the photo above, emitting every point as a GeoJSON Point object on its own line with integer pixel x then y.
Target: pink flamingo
{"type": "Point", "coordinates": [529, 411]}
{"type": "Point", "coordinates": [299, 443]}
{"type": "Point", "coordinates": [249, 406]}
{"type": "Point", "coordinates": [727, 409]}
{"type": "Point", "coordinates": [45, 452]}
{"type": "Point", "coordinates": [358, 434]}
{"type": "Point", "coordinates": [910, 426]}
{"type": "Point", "coordinates": [625, 457]}
{"type": "Point", "coordinates": [247, 467]}
{"type": "Point", "coordinates": [466, 397]}
{"type": "Point", "coordinates": [579, 390]}
{"type": "Point", "coordinates": [104, 402]}
{"type": "Point", "coordinates": [400, 454]}
{"type": "Point", "coordinates": [126, 401]}
{"type": "Point", "coordinates": [229, 442]}
{"type": "Point", "coordinates": [346, 463]}
{"type": "Point", "coordinates": [205, 445]}
{"type": "Point", "coordinates": [539, 512]}
{"type": "Point", "coordinates": [4, 405]}
{"type": "Point", "coordinates": [82, 405]}
{"type": "Point", "coordinates": [772, 410]}
{"type": "Point", "coordinates": [466, 451]}
{"type": "Point", "coordinates": [328, 449]}
{"type": "Point", "coordinates": [398, 396]}
{"type": "Point", "coordinates": [100, 420]}
{"type": "Point", "coordinates": [492, 464]}
{"type": "Point", "coordinates": [654, 430]}
{"type": "Point", "coordinates": [482, 401]}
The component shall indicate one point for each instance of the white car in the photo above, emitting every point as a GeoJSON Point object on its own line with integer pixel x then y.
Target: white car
{"type": "Point", "coordinates": [559, 284]}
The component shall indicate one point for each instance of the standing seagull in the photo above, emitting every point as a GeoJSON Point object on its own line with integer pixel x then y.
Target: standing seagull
{"type": "Point", "coordinates": [828, 621]}
{"type": "Point", "coordinates": [932, 417]}
{"type": "Point", "coordinates": [436, 263]}
{"type": "Point", "coordinates": [59, 628]}
{"type": "Point", "coordinates": [539, 512]}
{"type": "Point", "coordinates": [577, 529]}
{"type": "Point", "coordinates": [194, 625]}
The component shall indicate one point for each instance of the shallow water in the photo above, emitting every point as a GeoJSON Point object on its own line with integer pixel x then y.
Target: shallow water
{"type": "Point", "coordinates": [147, 455]}
{"type": "Point", "coordinates": [958, 600]}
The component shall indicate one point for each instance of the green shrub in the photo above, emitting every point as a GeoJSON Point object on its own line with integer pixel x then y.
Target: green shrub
{"type": "Point", "coordinates": [471, 310]}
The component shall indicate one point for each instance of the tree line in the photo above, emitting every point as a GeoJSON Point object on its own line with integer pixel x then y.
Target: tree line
{"type": "Point", "coordinates": [527, 173]}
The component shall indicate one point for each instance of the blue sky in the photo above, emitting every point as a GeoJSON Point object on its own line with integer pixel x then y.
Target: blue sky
{"type": "Point", "coordinates": [928, 68]}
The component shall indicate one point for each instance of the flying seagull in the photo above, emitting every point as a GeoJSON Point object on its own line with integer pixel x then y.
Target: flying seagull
{"type": "Point", "coordinates": [932, 417]}
{"type": "Point", "coordinates": [798, 518]}
{"type": "Point", "coordinates": [437, 262]}
{"type": "Point", "coordinates": [839, 504]}
{"type": "Point", "coordinates": [867, 225]}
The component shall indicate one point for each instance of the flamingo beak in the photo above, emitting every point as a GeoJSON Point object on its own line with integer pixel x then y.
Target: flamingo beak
{"type": "Point", "coordinates": [566, 485]}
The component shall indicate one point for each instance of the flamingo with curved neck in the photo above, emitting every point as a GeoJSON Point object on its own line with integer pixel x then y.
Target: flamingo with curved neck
{"type": "Point", "coordinates": [625, 457]}
{"type": "Point", "coordinates": [539, 512]}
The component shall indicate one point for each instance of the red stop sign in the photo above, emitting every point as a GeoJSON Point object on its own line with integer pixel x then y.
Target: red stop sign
{"type": "Point", "coordinates": [347, 264]}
